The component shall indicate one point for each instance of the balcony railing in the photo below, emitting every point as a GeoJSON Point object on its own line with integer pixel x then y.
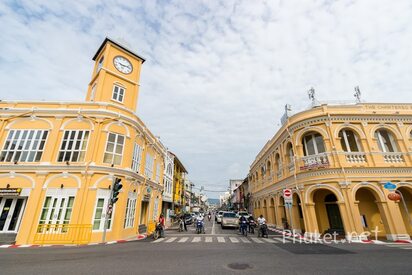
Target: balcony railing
{"type": "Point", "coordinates": [291, 167]}
{"type": "Point", "coordinates": [279, 173]}
{"type": "Point", "coordinates": [393, 157]}
{"type": "Point", "coordinates": [355, 157]}
{"type": "Point", "coordinates": [315, 161]}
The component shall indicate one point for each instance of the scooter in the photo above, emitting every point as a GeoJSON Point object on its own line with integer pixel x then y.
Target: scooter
{"type": "Point", "coordinates": [200, 227]}
{"type": "Point", "coordinates": [158, 231]}
{"type": "Point", "coordinates": [252, 226]}
{"type": "Point", "coordinates": [263, 231]}
{"type": "Point", "coordinates": [181, 225]}
{"type": "Point", "coordinates": [243, 228]}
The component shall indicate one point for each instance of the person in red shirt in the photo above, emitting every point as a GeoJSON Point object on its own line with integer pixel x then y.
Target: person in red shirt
{"type": "Point", "coordinates": [162, 223]}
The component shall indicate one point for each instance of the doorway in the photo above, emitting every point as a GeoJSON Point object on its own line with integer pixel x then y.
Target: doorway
{"type": "Point", "coordinates": [11, 210]}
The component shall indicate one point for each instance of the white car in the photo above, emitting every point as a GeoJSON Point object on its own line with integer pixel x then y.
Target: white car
{"type": "Point", "coordinates": [219, 216]}
{"type": "Point", "coordinates": [244, 214]}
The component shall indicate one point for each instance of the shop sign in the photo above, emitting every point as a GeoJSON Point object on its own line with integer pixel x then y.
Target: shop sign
{"type": "Point", "coordinates": [10, 191]}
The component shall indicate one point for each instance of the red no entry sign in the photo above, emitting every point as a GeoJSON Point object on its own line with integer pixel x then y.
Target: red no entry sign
{"type": "Point", "coordinates": [287, 193]}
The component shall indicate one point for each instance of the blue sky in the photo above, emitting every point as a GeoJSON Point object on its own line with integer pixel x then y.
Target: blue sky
{"type": "Point", "coordinates": [218, 73]}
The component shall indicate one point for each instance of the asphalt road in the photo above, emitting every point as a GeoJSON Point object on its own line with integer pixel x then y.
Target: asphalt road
{"type": "Point", "coordinates": [190, 253]}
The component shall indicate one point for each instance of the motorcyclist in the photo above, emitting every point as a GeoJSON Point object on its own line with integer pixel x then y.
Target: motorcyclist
{"type": "Point", "coordinates": [242, 222]}
{"type": "Point", "coordinates": [261, 221]}
{"type": "Point", "coordinates": [209, 216]}
{"type": "Point", "coordinates": [200, 219]}
{"type": "Point", "coordinates": [251, 222]}
{"type": "Point", "coordinates": [162, 224]}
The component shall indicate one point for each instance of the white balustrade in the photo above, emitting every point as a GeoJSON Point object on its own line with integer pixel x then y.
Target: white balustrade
{"type": "Point", "coordinates": [355, 157]}
{"type": "Point", "coordinates": [394, 157]}
{"type": "Point", "coordinates": [315, 161]}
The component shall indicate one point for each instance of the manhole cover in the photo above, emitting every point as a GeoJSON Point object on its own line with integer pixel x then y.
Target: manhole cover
{"type": "Point", "coordinates": [239, 266]}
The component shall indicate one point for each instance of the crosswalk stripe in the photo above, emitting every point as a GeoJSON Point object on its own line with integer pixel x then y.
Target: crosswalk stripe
{"type": "Point", "coordinates": [182, 240]}
{"type": "Point", "coordinates": [170, 240]}
{"type": "Point", "coordinates": [196, 239]}
{"type": "Point", "coordinates": [269, 240]}
{"type": "Point", "coordinates": [245, 240]}
{"type": "Point", "coordinates": [233, 239]}
{"type": "Point", "coordinates": [158, 240]}
{"type": "Point", "coordinates": [209, 239]}
{"type": "Point", "coordinates": [221, 239]}
{"type": "Point", "coordinates": [256, 240]}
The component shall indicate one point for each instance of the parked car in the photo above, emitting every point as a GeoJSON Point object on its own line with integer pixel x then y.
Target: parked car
{"type": "Point", "coordinates": [188, 218]}
{"type": "Point", "coordinates": [229, 219]}
{"type": "Point", "coordinates": [218, 217]}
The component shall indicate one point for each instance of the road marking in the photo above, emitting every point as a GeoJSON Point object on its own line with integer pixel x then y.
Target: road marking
{"type": "Point", "coordinates": [233, 239]}
{"type": "Point", "coordinates": [209, 239]}
{"type": "Point", "coordinates": [269, 240]}
{"type": "Point", "coordinates": [282, 240]}
{"type": "Point", "coordinates": [220, 240]}
{"type": "Point", "coordinates": [213, 228]}
{"type": "Point", "coordinates": [196, 239]}
{"type": "Point", "coordinates": [158, 240]}
{"type": "Point", "coordinates": [170, 240]}
{"type": "Point", "coordinates": [184, 239]}
{"type": "Point", "coordinates": [245, 240]}
{"type": "Point", "coordinates": [256, 240]}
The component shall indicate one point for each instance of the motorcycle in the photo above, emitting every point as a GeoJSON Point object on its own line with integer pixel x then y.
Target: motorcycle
{"type": "Point", "coordinates": [263, 231]}
{"type": "Point", "coordinates": [199, 227]}
{"type": "Point", "coordinates": [181, 225]}
{"type": "Point", "coordinates": [158, 231]}
{"type": "Point", "coordinates": [252, 226]}
{"type": "Point", "coordinates": [209, 217]}
{"type": "Point", "coordinates": [243, 228]}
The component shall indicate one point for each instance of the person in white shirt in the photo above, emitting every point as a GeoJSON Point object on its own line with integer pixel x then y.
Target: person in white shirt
{"type": "Point", "coordinates": [261, 220]}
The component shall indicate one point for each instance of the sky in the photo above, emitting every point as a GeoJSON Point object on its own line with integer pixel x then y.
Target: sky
{"type": "Point", "coordinates": [217, 73]}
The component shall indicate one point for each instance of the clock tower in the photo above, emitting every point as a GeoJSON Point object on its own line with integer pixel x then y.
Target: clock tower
{"type": "Point", "coordinates": [116, 75]}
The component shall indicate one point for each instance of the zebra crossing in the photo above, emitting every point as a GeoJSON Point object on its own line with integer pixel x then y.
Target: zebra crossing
{"type": "Point", "coordinates": [221, 239]}
{"type": "Point", "coordinates": [407, 246]}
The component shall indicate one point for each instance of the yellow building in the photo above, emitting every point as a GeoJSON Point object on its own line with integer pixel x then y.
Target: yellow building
{"type": "Point", "coordinates": [337, 159]}
{"type": "Point", "coordinates": [179, 175]}
{"type": "Point", "coordinates": [59, 161]}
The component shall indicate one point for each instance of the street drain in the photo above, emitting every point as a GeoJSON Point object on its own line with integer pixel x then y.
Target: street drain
{"type": "Point", "coordinates": [239, 266]}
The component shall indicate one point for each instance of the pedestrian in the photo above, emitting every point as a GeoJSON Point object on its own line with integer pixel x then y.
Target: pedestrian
{"type": "Point", "coordinates": [162, 224]}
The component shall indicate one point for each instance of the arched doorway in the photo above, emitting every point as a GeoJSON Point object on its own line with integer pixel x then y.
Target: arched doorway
{"type": "Point", "coordinates": [282, 211]}
{"type": "Point", "coordinates": [265, 209]}
{"type": "Point", "coordinates": [298, 222]}
{"type": "Point", "coordinates": [369, 209]}
{"type": "Point", "coordinates": [273, 212]}
{"type": "Point", "coordinates": [407, 196]}
{"type": "Point", "coordinates": [327, 211]}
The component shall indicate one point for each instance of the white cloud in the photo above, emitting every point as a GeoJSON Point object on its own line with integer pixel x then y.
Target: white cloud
{"type": "Point", "coordinates": [218, 73]}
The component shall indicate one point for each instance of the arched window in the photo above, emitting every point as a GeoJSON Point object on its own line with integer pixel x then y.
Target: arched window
{"type": "Point", "coordinates": [278, 162]}
{"type": "Point", "coordinates": [313, 144]}
{"type": "Point", "coordinates": [268, 166]}
{"type": "Point", "coordinates": [262, 171]}
{"type": "Point", "coordinates": [257, 175]}
{"type": "Point", "coordinates": [290, 154]}
{"type": "Point", "coordinates": [349, 141]}
{"type": "Point", "coordinates": [385, 141]}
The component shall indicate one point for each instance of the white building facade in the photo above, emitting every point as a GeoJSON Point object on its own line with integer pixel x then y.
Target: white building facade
{"type": "Point", "coordinates": [167, 206]}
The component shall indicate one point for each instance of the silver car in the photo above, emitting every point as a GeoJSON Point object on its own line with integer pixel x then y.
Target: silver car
{"type": "Point", "coordinates": [219, 216]}
{"type": "Point", "coordinates": [230, 219]}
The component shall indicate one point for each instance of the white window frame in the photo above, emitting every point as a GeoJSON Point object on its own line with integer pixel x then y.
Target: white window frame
{"type": "Point", "coordinates": [115, 144]}
{"type": "Point", "coordinates": [136, 158]}
{"type": "Point", "coordinates": [28, 147]}
{"type": "Point", "coordinates": [158, 172]}
{"type": "Point", "coordinates": [118, 95]}
{"type": "Point", "coordinates": [103, 195]}
{"type": "Point", "coordinates": [381, 142]}
{"type": "Point", "coordinates": [100, 64]}
{"type": "Point", "coordinates": [130, 216]}
{"type": "Point", "coordinates": [82, 146]}
{"type": "Point", "coordinates": [148, 171]}
{"type": "Point", "coordinates": [315, 146]}
{"type": "Point", "coordinates": [345, 139]}
{"type": "Point", "coordinates": [93, 92]}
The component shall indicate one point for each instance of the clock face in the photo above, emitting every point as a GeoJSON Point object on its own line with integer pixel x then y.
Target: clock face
{"type": "Point", "coordinates": [122, 65]}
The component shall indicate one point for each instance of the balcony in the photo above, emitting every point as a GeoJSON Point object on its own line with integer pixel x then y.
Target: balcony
{"type": "Point", "coordinates": [279, 173]}
{"type": "Point", "coordinates": [314, 162]}
{"type": "Point", "coordinates": [393, 157]}
{"type": "Point", "coordinates": [291, 167]}
{"type": "Point", "coordinates": [355, 157]}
